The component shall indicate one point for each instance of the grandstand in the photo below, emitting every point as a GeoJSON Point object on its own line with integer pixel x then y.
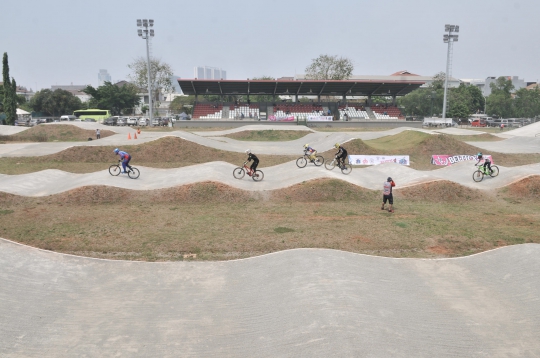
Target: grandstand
{"type": "Point", "coordinates": [293, 89]}
{"type": "Point", "coordinates": [387, 112]}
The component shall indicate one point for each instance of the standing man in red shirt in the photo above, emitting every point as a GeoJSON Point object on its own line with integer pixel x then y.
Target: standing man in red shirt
{"type": "Point", "coordinates": [387, 194]}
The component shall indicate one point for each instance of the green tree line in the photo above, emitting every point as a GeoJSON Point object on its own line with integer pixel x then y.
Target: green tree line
{"type": "Point", "coordinates": [466, 100]}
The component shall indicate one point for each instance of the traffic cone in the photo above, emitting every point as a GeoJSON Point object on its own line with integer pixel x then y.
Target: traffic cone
{"type": "Point", "coordinates": [135, 136]}
{"type": "Point", "coordinates": [129, 136]}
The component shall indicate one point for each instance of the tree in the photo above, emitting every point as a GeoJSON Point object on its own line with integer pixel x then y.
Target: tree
{"type": "Point", "coordinates": [179, 104]}
{"type": "Point", "coordinates": [327, 67]}
{"type": "Point", "coordinates": [114, 98]}
{"type": "Point", "coordinates": [527, 103]}
{"type": "Point", "coordinates": [10, 93]}
{"type": "Point", "coordinates": [55, 103]}
{"type": "Point", "coordinates": [263, 98]}
{"type": "Point", "coordinates": [161, 73]}
{"type": "Point", "coordinates": [499, 102]}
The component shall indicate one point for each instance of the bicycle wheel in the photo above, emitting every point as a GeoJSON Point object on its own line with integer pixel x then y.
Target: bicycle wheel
{"type": "Point", "coordinates": [133, 173]}
{"type": "Point", "coordinates": [495, 171]}
{"type": "Point", "coordinates": [258, 175]}
{"type": "Point", "coordinates": [239, 173]}
{"type": "Point", "coordinates": [478, 176]}
{"type": "Point", "coordinates": [346, 169]}
{"type": "Point", "coordinates": [114, 170]}
{"type": "Point", "coordinates": [330, 165]}
{"type": "Point", "coordinates": [319, 160]}
{"type": "Point", "coordinates": [301, 162]}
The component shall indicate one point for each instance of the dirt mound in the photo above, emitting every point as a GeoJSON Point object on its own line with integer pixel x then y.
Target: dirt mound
{"type": "Point", "coordinates": [167, 152]}
{"type": "Point", "coordinates": [192, 193]}
{"type": "Point", "coordinates": [355, 146]}
{"type": "Point", "coordinates": [528, 188]}
{"type": "Point", "coordinates": [322, 190]}
{"type": "Point", "coordinates": [440, 191]}
{"type": "Point", "coordinates": [60, 133]}
{"type": "Point", "coordinates": [267, 135]}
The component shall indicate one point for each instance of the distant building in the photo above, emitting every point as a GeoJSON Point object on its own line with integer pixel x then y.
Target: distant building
{"type": "Point", "coordinates": [103, 76]}
{"type": "Point", "coordinates": [75, 90]}
{"type": "Point", "coordinates": [485, 87]}
{"type": "Point", "coordinates": [209, 73]}
{"type": "Point", "coordinates": [518, 84]}
{"type": "Point", "coordinates": [398, 76]}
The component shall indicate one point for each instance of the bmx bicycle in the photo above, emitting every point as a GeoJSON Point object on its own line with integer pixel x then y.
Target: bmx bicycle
{"type": "Point", "coordinates": [478, 175]}
{"type": "Point", "coordinates": [302, 161]}
{"type": "Point", "coordinates": [239, 173]}
{"type": "Point", "coordinates": [345, 168]}
{"type": "Point", "coordinates": [116, 169]}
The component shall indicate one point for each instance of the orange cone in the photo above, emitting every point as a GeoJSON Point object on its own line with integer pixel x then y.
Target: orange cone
{"type": "Point", "coordinates": [135, 136]}
{"type": "Point", "coordinates": [129, 136]}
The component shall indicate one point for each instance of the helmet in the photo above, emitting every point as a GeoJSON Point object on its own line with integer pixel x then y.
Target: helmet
{"type": "Point", "coordinates": [248, 151]}
{"type": "Point", "coordinates": [479, 155]}
{"type": "Point", "coordinates": [116, 151]}
{"type": "Point", "coordinates": [336, 145]}
{"type": "Point", "coordinates": [389, 179]}
{"type": "Point", "coordinates": [306, 145]}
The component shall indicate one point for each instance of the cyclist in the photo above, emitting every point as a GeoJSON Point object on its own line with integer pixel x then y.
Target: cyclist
{"type": "Point", "coordinates": [341, 155]}
{"type": "Point", "coordinates": [487, 162]}
{"type": "Point", "coordinates": [310, 151]}
{"type": "Point", "coordinates": [124, 157]}
{"type": "Point", "coordinates": [387, 195]}
{"type": "Point", "coordinates": [253, 157]}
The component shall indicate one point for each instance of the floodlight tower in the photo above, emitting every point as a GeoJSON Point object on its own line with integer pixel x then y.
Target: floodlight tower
{"type": "Point", "coordinates": [145, 34]}
{"type": "Point", "coordinates": [449, 38]}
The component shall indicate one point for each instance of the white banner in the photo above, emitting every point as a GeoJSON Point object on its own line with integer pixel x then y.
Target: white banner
{"type": "Point", "coordinates": [320, 118]}
{"type": "Point", "coordinates": [378, 159]}
{"type": "Point", "coordinates": [452, 159]}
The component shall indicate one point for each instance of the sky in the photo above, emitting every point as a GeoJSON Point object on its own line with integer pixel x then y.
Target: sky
{"type": "Point", "coordinates": [62, 42]}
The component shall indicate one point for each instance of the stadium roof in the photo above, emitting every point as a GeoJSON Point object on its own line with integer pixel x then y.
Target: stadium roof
{"type": "Point", "coordinates": [299, 87]}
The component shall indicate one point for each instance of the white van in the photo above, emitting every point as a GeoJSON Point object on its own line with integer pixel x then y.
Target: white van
{"type": "Point", "coordinates": [67, 118]}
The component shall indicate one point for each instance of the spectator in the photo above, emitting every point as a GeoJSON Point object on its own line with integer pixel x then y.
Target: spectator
{"type": "Point", "coordinates": [387, 194]}
{"type": "Point", "coordinates": [250, 115]}
{"type": "Point", "coordinates": [98, 134]}
{"type": "Point", "coordinates": [329, 113]}
{"type": "Point", "coordinates": [502, 126]}
{"type": "Point", "coordinates": [242, 116]}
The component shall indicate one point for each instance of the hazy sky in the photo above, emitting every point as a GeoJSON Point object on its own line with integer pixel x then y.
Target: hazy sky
{"type": "Point", "coordinates": [60, 42]}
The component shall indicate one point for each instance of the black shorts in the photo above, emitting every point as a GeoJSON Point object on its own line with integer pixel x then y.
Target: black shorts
{"type": "Point", "coordinates": [388, 198]}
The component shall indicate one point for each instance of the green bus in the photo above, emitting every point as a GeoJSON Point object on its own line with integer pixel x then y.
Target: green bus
{"type": "Point", "coordinates": [98, 114]}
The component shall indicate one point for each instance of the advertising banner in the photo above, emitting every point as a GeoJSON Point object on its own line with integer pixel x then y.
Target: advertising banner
{"type": "Point", "coordinates": [281, 119]}
{"type": "Point", "coordinates": [378, 159]}
{"type": "Point", "coordinates": [320, 118]}
{"type": "Point", "coordinates": [452, 159]}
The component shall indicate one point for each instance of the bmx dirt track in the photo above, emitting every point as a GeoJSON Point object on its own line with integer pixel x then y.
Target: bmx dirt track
{"type": "Point", "coordinates": [302, 302]}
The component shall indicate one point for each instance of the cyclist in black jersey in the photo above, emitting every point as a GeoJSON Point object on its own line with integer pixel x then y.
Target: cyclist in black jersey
{"type": "Point", "coordinates": [341, 155]}
{"type": "Point", "coordinates": [253, 157]}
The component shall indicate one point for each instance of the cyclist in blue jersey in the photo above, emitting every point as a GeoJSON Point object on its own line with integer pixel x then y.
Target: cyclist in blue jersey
{"type": "Point", "coordinates": [124, 157]}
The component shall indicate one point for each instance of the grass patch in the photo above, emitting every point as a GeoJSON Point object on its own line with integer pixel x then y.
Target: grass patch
{"type": "Point", "coordinates": [55, 133]}
{"type": "Point", "coordinates": [180, 153]}
{"type": "Point", "coordinates": [283, 230]}
{"type": "Point", "coordinates": [421, 146]}
{"type": "Point", "coordinates": [485, 137]}
{"type": "Point", "coordinates": [209, 220]}
{"type": "Point", "coordinates": [268, 135]}
{"type": "Point", "coordinates": [5, 212]}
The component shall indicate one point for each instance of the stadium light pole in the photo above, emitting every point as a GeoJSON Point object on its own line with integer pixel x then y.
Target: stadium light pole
{"type": "Point", "coordinates": [448, 38]}
{"type": "Point", "coordinates": [145, 34]}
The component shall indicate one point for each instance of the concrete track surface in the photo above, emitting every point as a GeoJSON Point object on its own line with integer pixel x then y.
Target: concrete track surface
{"type": "Point", "coordinates": [297, 303]}
{"type": "Point", "coordinates": [322, 141]}
{"type": "Point", "coordinates": [52, 181]}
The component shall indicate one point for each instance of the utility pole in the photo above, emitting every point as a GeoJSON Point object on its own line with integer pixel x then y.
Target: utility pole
{"type": "Point", "coordinates": [145, 34]}
{"type": "Point", "coordinates": [450, 39]}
